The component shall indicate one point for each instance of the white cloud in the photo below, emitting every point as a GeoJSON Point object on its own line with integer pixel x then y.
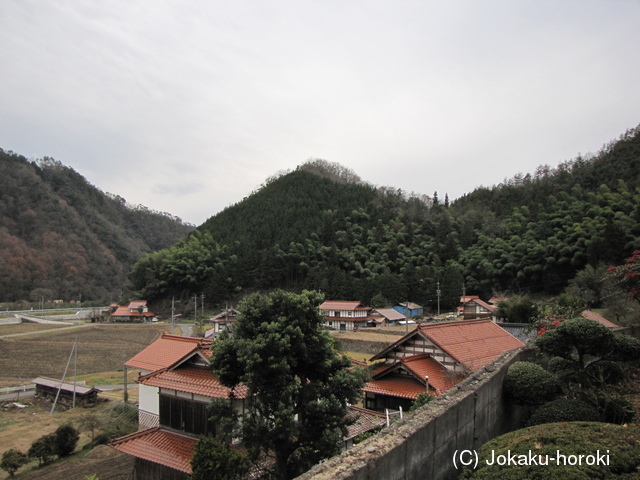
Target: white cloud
{"type": "Point", "coordinates": [188, 107]}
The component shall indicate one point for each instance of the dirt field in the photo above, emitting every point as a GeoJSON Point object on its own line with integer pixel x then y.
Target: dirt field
{"type": "Point", "coordinates": [101, 352]}
{"type": "Point", "coordinates": [14, 328]}
{"type": "Point", "coordinates": [101, 348]}
{"type": "Point", "coordinates": [20, 427]}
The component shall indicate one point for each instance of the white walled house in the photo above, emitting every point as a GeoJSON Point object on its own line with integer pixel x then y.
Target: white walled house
{"type": "Point", "coordinates": [346, 315]}
{"type": "Point", "coordinates": [176, 387]}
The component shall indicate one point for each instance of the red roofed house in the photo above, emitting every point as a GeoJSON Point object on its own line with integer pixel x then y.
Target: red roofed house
{"type": "Point", "coordinates": [599, 318]}
{"type": "Point", "coordinates": [473, 307]}
{"type": "Point", "coordinates": [221, 322]}
{"type": "Point", "coordinates": [176, 386]}
{"type": "Point", "coordinates": [434, 357]}
{"type": "Point", "coordinates": [136, 311]}
{"type": "Point", "coordinates": [346, 315]}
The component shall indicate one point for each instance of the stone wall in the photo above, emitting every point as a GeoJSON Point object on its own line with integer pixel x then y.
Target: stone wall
{"type": "Point", "coordinates": [422, 446]}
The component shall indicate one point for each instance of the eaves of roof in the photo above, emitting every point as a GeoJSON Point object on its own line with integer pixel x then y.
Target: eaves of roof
{"type": "Point", "coordinates": [159, 446]}
{"type": "Point", "coordinates": [196, 380]}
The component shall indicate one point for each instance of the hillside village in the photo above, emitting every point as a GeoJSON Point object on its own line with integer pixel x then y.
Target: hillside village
{"type": "Point", "coordinates": [176, 382]}
{"type": "Point", "coordinates": [536, 254]}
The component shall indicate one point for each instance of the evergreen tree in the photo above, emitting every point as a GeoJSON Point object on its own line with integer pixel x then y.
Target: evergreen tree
{"type": "Point", "coordinates": [281, 351]}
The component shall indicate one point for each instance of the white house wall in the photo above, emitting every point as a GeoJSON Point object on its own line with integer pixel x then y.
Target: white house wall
{"type": "Point", "coordinates": [149, 406]}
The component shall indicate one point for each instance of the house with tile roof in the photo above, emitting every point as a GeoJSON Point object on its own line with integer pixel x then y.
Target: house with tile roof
{"type": "Point", "coordinates": [473, 307]}
{"type": "Point", "coordinates": [136, 311]}
{"type": "Point", "coordinates": [176, 386]}
{"type": "Point", "coordinates": [221, 322]}
{"type": "Point", "coordinates": [346, 315]}
{"type": "Point", "coordinates": [599, 318]}
{"type": "Point", "coordinates": [362, 421]}
{"type": "Point", "coordinates": [432, 358]}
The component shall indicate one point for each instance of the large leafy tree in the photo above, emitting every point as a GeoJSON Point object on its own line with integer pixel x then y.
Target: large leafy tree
{"type": "Point", "coordinates": [581, 341]}
{"type": "Point", "coordinates": [280, 350]}
{"type": "Point", "coordinates": [627, 276]}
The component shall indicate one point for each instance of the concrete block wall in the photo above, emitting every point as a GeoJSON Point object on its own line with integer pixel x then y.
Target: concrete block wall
{"type": "Point", "coordinates": [422, 446]}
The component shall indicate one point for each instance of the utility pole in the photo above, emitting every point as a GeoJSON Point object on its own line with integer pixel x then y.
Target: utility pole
{"type": "Point", "coordinates": [195, 308]}
{"type": "Point", "coordinates": [125, 396]}
{"type": "Point", "coordinates": [464, 299]}
{"type": "Point", "coordinates": [438, 292]}
{"type": "Point", "coordinates": [406, 318]}
{"type": "Point", "coordinates": [173, 309]}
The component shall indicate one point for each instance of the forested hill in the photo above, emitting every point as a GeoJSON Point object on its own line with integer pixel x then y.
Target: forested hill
{"type": "Point", "coordinates": [319, 227]}
{"type": "Point", "coordinates": [61, 237]}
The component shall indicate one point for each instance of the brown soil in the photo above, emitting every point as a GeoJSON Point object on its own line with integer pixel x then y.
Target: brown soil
{"type": "Point", "coordinates": [101, 348]}
{"type": "Point", "coordinates": [21, 427]}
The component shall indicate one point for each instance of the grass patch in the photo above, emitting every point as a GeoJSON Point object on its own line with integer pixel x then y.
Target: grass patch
{"type": "Point", "coordinates": [15, 328]}
{"type": "Point", "coordinates": [571, 439]}
{"type": "Point", "coordinates": [6, 422]}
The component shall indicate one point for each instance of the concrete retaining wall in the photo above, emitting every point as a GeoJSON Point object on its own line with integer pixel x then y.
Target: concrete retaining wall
{"type": "Point", "coordinates": [367, 347]}
{"type": "Point", "coordinates": [422, 446]}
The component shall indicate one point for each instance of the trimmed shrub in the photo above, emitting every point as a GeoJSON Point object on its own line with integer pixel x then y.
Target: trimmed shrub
{"type": "Point", "coordinates": [603, 373]}
{"type": "Point", "coordinates": [422, 399]}
{"type": "Point", "coordinates": [44, 449]}
{"type": "Point", "coordinates": [570, 439]}
{"type": "Point", "coordinates": [626, 348]}
{"type": "Point", "coordinates": [616, 410]}
{"type": "Point", "coordinates": [66, 440]}
{"type": "Point", "coordinates": [527, 383]}
{"type": "Point", "coordinates": [564, 410]}
{"type": "Point", "coordinates": [12, 460]}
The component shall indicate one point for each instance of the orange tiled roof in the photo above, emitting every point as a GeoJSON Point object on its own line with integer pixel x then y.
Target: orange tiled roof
{"type": "Point", "coordinates": [424, 366]}
{"type": "Point", "coordinates": [167, 351]}
{"type": "Point", "coordinates": [159, 446]}
{"type": "Point", "coordinates": [340, 305]}
{"type": "Point", "coordinates": [197, 380]}
{"type": "Point", "coordinates": [473, 343]}
{"type": "Point", "coordinates": [599, 318]}
{"type": "Point", "coordinates": [468, 298]}
{"type": "Point", "coordinates": [483, 304]}
{"type": "Point", "coordinates": [137, 303]}
{"type": "Point", "coordinates": [126, 312]}
{"type": "Point", "coordinates": [396, 386]}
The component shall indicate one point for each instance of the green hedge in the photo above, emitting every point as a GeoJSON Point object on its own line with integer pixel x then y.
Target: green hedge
{"type": "Point", "coordinates": [563, 410]}
{"type": "Point", "coordinates": [572, 438]}
{"type": "Point", "coordinates": [527, 383]}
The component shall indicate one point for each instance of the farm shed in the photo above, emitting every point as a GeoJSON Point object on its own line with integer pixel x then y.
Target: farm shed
{"type": "Point", "coordinates": [47, 389]}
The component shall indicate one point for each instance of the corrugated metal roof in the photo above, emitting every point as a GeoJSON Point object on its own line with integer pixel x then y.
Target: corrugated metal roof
{"type": "Point", "coordinates": [390, 314]}
{"type": "Point", "coordinates": [66, 386]}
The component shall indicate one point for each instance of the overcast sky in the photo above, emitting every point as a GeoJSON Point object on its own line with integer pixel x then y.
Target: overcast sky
{"type": "Point", "coordinates": [188, 106]}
